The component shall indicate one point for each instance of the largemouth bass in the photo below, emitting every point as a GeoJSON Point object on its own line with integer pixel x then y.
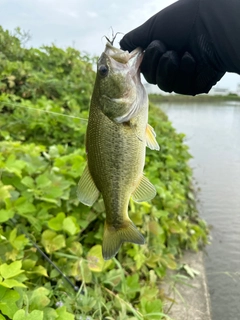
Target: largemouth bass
{"type": "Point", "coordinates": [116, 140]}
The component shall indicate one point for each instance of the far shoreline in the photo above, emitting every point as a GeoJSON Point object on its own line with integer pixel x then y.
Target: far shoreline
{"type": "Point", "coordinates": [202, 98]}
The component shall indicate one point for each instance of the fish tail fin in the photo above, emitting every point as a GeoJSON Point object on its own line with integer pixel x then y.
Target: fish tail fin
{"type": "Point", "coordinates": [114, 237]}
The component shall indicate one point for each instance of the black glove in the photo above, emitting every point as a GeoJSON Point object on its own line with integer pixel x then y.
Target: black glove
{"type": "Point", "coordinates": [184, 45]}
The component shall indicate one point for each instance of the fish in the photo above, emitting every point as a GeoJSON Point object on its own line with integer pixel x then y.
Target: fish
{"type": "Point", "coordinates": [116, 139]}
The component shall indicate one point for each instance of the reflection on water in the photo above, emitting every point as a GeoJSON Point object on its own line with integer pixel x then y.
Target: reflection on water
{"type": "Point", "coordinates": [213, 134]}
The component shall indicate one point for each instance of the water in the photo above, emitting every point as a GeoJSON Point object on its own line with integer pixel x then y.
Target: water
{"type": "Point", "coordinates": [213, 135]}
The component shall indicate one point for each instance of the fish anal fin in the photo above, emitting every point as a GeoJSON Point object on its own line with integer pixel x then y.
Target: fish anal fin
{"type": "Point", "coordinates": [87, 191]}
{"type": "Point", "coordinates": [151, 138]}
{"type": "Point", "coordinates": [145, 191]}
{"type": "Point", "coordinates": [113, 238]}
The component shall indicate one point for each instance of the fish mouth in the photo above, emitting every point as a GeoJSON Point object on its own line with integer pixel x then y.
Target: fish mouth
{"type": "Point", "coordinates": [128, 95]}
{"type": "Point", "coordinates": [133, 58]}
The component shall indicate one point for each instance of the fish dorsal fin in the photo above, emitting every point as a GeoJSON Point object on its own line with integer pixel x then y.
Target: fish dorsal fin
{"type": "Point", "coordinates": [87, 191]}
{"type": "Point", "coordinates": [145, 191]}
{"type": "Point", "coordinates": [151, 138]}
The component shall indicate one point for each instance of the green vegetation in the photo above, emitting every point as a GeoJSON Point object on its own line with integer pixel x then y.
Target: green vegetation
{"type": "Point", "coordinates": [44, 99]}
{"type": "Point", "coordinates": [202, 98]}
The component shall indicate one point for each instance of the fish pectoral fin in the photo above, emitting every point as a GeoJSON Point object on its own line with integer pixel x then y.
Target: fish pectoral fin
{"type": "Point", "coordinates": [145, 191]}
{"type": "Point", "coordinates": [151, 138]}
{"type": "Point", "coordinates": [87, 191]}
{"type": "Point", "coordinates": [113, 238]}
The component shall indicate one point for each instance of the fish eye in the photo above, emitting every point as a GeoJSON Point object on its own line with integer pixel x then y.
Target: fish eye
{"type": "Point", "coordinates": [103, 70]}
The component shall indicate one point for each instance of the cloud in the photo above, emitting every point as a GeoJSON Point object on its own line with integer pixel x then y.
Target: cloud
{"type": "Point", "coordinates": [92, 14]}
{"type": "Point", "coordinates": [81, 21]}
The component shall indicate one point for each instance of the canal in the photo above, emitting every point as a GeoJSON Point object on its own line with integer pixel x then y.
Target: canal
{"type": "Point", "coordinates": [213, 135]}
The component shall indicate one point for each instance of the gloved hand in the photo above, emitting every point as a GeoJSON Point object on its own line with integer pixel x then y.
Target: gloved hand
{"type": "Point", "coordinates": [180, 54]}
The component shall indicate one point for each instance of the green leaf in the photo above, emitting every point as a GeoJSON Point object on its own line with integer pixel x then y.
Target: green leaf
{"type": "Point", "coordinates": [10, 283]}
{"type": "Point", "coordinates": [155, 228]}
{"type": "Point", "coordinates": [152, 277]}
{"type": "Point", "coordinates": [85, 272]}
{"type": "Point", "coordinates": [95, 260]}
{"type": "Point", "coordinates": [50, 200]}
{"type": "Point", "coordinates": [70, 225]}
{"type": "Point", "coordinates": [132, 282]}
{"type": "Point", "coordinates": [34, 315]}
{"type": "Point", "coordinates": [13, 235]}
{"type": "Point", "coordinates": [18, 242]}
{"type": "Point", "coordinates": [169, 261]}
{"type": "Point", "coordinates": [114, 277]}
{"type": "Point", "coordinates": [5, 191]}
{"type": "Point", "coordinates": [52, 242]}
{"type": "Point", "coordinates": [28, 182]}
{"type": "Point", "coordinates": [148, 293]}
{"type": "Point", "coordinates": [75, 248]}
{"type": "Point", "coordinates": [130, 286]}
{"type": "Point", "coordinates": [23, 206]}
{"type": "Point", "coordinates": [13, 165]}
{"type": "Point", "coordinates": [63, 314]}
{"type": "Point", "coordinates": [56, 223]}
{"type": "Point", "coordinates": [11, 270]}
{"type": "Point", "coordinates": [190, 271]}
{"type": "Point", "coordinates": [49, 314]}
{"type": "Point", "coordinates": [43, 181]}
{"type": "Point", "coordinates": [53, 192]}
{"type": "Point", "coordinates": [39, 270]}
{"type": "Point", "coordinates": [39, 299]}
{"type": "Point", "coordinates": [28, 264]}
{"type": "Point", "coordinates": [149, 308]}
{"type": "Point", "coordinates": [8, 298]}
{"type": "Point", "coordinates": [20, 315]}
{"type": "Point", "coordinates": [5, 215]}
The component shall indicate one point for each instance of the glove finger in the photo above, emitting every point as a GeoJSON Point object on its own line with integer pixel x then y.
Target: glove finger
{"type": "Point", "coordinates": [184, 81]}
{"type": "Point", "coordinates": [150, 60]}
{"type": "Point", "coordinates": [195, 77]}
{"type": "Point", "coordinates": [167, 70]}
{"type": "Point", "coordinates": [206, 78]}
{"type": "Point", "coordinates": [188, 63]}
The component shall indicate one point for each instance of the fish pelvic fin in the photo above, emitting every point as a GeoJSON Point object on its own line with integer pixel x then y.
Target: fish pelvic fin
{"type": "Point", "coordinates": [87, 191]}
{"type": "Point", "coordinates": [113, 238]}
{"type": "Point", "coordinates": [145, 191]}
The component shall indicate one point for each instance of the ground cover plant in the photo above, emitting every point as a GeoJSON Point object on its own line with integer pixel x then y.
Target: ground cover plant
{"type": "Point", "coordinates": [45, 95]}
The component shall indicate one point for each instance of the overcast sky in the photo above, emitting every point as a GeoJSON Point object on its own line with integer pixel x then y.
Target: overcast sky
{"type": "Point", "coordinates": [82, 23]}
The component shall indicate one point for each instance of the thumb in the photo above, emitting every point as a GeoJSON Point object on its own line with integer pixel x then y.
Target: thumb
{"type": "Point", "coordinates": [138, 37]}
